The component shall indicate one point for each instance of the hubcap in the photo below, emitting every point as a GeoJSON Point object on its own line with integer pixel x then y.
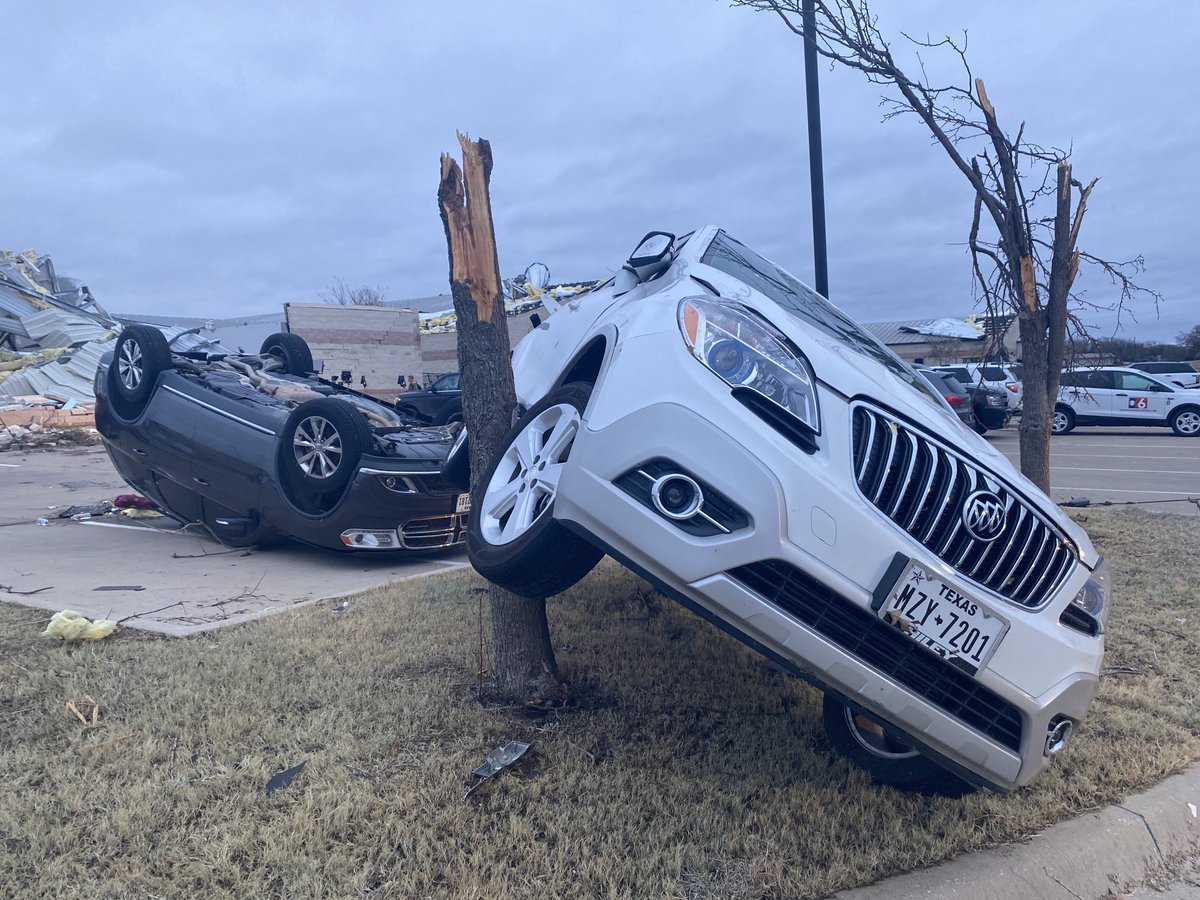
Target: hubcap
{"type": "Point", "coordinates": [318, 447]}
{"type": "Point", "coordinates": [876, 739]}
{"type": "Point", "coordinates": [1188, 423]}
{"type": "Point", "coordinates": [525, 482]}
{"type": "Point", "coordinates": [129, 364]}
{"type": "Point", "coordinates": [1060, 421]}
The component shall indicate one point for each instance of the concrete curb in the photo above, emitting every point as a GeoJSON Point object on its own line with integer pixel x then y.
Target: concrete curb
{"type": "Point", "coordinates": [1096, 855]}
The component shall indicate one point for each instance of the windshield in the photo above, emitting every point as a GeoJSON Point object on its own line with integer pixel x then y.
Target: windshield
{"type": "Point", "coordinates": [733, 258]}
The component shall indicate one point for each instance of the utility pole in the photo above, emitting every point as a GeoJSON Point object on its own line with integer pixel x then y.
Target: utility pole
{"type": "Point", "coordinates": [815, 169]}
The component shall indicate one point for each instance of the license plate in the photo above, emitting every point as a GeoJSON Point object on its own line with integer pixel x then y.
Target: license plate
{"type": "Point", "coordinates": [938, 617]}
{"type": "Point", "coordinates": [463, 505]}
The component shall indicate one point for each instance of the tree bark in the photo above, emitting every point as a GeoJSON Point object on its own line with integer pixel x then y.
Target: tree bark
{"type": "Point", "coordinates": [1038, 402]}
{"type": "Point", "coordinates": [523, 657]}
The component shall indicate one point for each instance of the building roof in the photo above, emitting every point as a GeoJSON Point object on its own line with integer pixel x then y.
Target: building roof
{"type": "Point", "coordinates": [917, 331]}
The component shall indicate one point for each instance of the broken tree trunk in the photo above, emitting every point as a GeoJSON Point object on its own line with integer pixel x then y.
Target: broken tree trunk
{"type": "Point", "coordinates": [523, 656]}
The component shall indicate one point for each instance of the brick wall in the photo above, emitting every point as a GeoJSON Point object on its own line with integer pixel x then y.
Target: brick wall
{"type": "Point", "coordinates": [381, 342]}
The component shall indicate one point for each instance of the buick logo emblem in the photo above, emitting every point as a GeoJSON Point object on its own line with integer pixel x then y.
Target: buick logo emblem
{"type": "Point", "coordinates": [983, 516]}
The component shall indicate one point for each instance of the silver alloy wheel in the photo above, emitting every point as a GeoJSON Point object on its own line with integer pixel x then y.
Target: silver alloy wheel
{"type": "Point", "coordinates": [1058, 424]}
{"type": "Point", "coordinates": [129, 364]}
{"type": "Point", "coordinates": [875, 738]}
{"type": "Point", "coordinates": [318, 447]}
{"type": "Point", "coordinates": [1188, 423]}
{"type": "Point", "coordinates": [525, 482]}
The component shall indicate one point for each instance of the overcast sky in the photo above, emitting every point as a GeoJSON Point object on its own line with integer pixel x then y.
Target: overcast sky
{"type": "Point", "coordinates": [226, 157]}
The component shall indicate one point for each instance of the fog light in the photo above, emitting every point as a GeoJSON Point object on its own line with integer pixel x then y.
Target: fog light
{"type": "Point", "coordinates": [361, 539]}
{"type": "Point", "coordinates": [1058, 733]}
{"type": "Point", "coordinates": [676, 496]}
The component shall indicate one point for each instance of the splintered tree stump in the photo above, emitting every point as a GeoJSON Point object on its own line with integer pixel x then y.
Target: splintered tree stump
{"type": "Point", "coordinates": [524, 663]}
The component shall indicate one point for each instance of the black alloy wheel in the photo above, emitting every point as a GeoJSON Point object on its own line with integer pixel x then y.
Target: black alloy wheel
{"type": "Point", "coordinates": [321, 445]}
{"type": "Point", "coordinates": [141, 355]}
{"type": "Point", "coordinates": [290, 349]}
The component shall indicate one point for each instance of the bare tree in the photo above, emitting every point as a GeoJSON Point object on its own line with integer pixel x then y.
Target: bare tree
{"type": "Point", "coordinates": [524, 664]}
{"type": "Point", "coordinates": [339, 294]}
{"type": "Point", "coordinates": [1028, 210]}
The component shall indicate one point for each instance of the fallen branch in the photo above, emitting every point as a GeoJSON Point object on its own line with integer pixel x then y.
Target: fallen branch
{"type": "Point", "coordinates": [10, 590]}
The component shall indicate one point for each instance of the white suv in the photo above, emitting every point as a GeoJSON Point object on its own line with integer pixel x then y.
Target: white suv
{"type": "Point", "coordinates": [1114, 395]}
{"type": "Point", "coordinates": [993, 375]}
{"type": "Point", "coordinates": [1178, 373]}
{"type": "Point", "coordinates": [738, 441]}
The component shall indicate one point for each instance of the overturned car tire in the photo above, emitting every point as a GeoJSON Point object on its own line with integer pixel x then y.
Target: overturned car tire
{"type": "Point", "coordinates": [513, 539]}
{"type": "Point", "coordinates": [884, 755]}
{"type": "Point", "coordinates": [290, 349]}
{"type": "Point", "coordinates": [320, 448]}
{"type": "Point", "coordinates": [141, 355]}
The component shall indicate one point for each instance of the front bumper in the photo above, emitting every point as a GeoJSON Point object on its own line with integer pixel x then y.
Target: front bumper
{"type": "Point", "coordinates": [804, 513]}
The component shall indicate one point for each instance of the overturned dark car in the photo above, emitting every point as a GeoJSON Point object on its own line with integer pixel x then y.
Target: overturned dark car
{"type": "Point", "coordinates": [256, 447]}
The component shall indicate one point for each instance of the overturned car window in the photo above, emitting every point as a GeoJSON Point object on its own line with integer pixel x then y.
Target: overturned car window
{"type": "Point", "coordinates": [735, 259]}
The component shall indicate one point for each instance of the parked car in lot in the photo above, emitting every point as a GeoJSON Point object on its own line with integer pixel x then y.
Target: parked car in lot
{"type": "Point", "coordinates": [981, 407]}
{"type": "Point", "coordinates": [737, 440]}
{"type": "Point", "coordinates": [255, 446]}
{"type": "Point", "coordinates": [1114, 395]}
{"type": "Point", "coordinates": [956, 396]}
{"type": "Point", "coordinates": [993, 375]}
{"type": "Point", "coordinates": [1177, 373]}
{"type": "Point", "coordinates": [439, 404]}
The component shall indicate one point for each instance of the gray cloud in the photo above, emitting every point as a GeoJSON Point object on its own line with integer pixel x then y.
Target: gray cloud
{"type": "Point", "coordinates": [207, 160]}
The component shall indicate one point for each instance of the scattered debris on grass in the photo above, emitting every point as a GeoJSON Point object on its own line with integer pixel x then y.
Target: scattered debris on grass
{"type": "Point", "coordinates": [500, 758]}
{"type": "Point", "coordinates": [280, 780]}
{"type": "Point", "coordinates": [72, 626]}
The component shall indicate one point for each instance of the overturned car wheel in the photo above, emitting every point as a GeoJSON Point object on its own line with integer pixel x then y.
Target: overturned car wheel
{"type": "Point", "coordinates": [141, 355]}
{"type": "Point", "coordinates": [290, 349]}
{"type": "Point", "coordinates": [513, 539]}
{"type": "Point", "coordinates": [888, 759]}
{"type": "Point", "coordinates": [320, 448]}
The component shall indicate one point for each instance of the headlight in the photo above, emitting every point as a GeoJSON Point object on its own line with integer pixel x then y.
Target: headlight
{"type": "Point", "coordinates": [1093, 597]}
{"type": "Point", "coordinates": [745, 352]}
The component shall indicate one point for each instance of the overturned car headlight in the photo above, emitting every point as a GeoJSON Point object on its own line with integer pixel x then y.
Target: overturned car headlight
{"type": "Point", "coordinates": [746, 352]}
{"type": "Point", "coordinates": [1093, 598]}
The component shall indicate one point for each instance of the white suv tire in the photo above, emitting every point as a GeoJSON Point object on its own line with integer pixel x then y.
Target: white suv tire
{"type": "Point", "coordinates": [1186, 422]}
{"type": "Point", "coordinates": [1062, 421]}
{"type": "Point", "coordinates": [513, 539]}
{"type": "Point", "coordinates": [875, 748]}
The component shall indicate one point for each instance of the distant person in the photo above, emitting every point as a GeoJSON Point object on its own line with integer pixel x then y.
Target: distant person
{"type": "Point", "coordinates": [412, 384]}
{"type": "Point", "coordinates": [362, 379]}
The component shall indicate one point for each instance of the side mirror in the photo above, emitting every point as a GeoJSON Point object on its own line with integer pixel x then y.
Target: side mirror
{"type": "Point", "coordinates": [652, 254]}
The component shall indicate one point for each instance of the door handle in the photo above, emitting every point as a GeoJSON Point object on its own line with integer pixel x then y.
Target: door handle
{"type": "Point", "coordinates": [200, 481]}
{"type": "Point", "coordinates": [139, 451]}
{"type": "Point", "coordinates": [1122, 395]}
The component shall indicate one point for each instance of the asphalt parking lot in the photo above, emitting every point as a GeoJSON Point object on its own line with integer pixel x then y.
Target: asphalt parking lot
{"type": "Point", "coordinates": [152, 573]}
{"type": "Point", "coordinates": [1149, 466]}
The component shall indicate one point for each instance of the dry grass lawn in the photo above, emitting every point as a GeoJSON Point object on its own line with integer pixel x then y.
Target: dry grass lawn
{"type": "Point", "coordinates": [686, 767]}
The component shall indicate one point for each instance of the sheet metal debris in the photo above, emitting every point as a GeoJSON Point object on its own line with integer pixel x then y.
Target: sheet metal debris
{"type": "Point", "coordinates": [280, 780]}
{"type": "Point", "coordinates": [52, 335]}
{"type": "Point", "coordinates": [497, 760]}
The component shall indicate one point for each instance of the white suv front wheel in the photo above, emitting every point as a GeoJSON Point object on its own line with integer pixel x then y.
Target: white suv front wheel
{"type": "Point", "coordinates": [1186, 422]}
{"type": "Point", "coordinates": [873, 746]}
{"type": "Point", "coordinates": [1062, 421]}
{"type": "Point", "coordinates": [513, 539]}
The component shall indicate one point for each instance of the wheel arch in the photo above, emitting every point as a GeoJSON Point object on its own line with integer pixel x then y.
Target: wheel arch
{"type": "Point", "coordinates": [587, 363]}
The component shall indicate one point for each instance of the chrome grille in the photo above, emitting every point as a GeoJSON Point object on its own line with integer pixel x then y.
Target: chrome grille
{"type": "Point", "coordinates": [921, 484]}
{"type": "Point", "coordinates": [434, 532]}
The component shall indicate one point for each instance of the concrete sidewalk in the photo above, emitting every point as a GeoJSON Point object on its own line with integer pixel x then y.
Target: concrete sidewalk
{"type": "Point", "coordinates": [1105, 854]}
{"type": "Point", "coordinates": [152, 573]}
